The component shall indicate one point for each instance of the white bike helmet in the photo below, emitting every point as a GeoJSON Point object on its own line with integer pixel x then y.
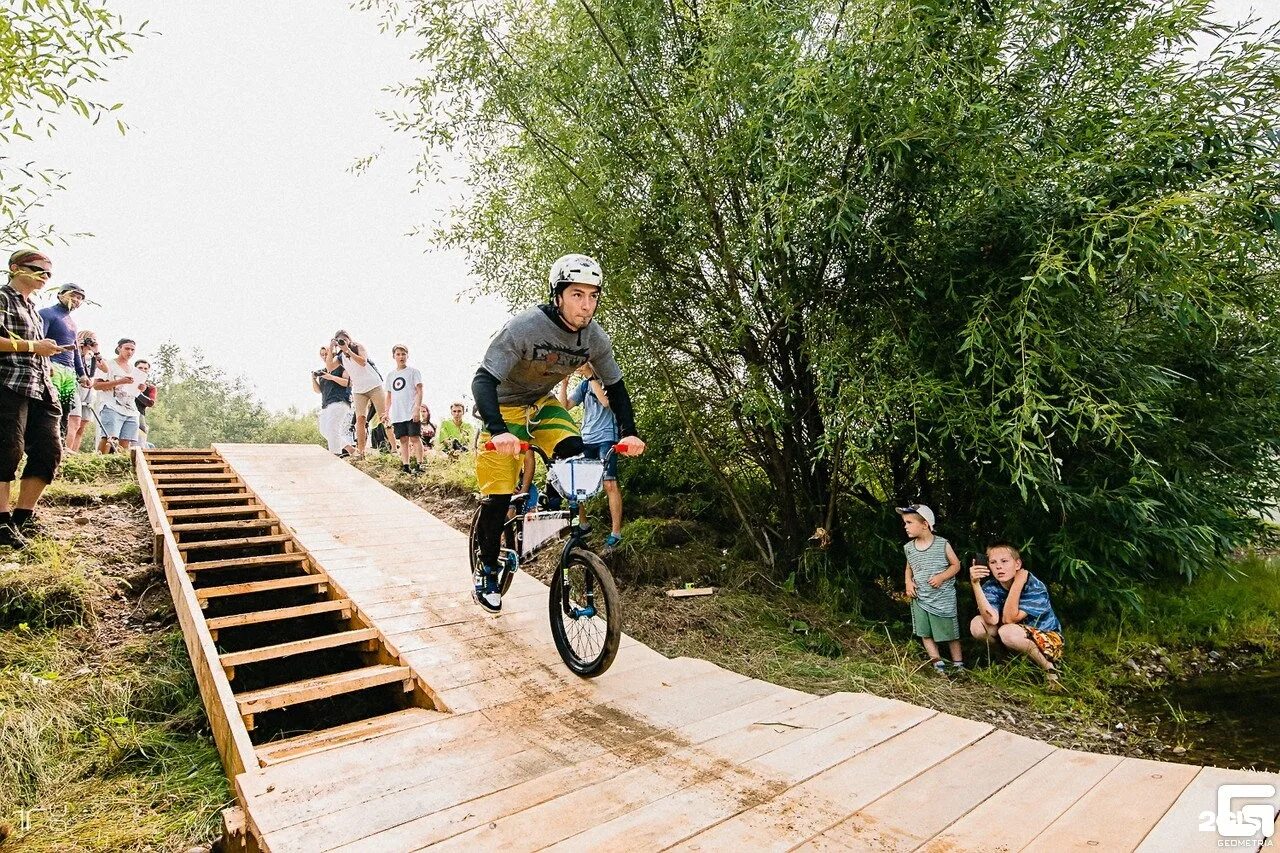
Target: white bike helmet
{"type": "Point", "coordinates": [574, 269]}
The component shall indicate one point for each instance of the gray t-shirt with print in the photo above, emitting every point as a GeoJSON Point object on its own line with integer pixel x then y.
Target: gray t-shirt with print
{"type": "Point", "coordinates": [532, 353]}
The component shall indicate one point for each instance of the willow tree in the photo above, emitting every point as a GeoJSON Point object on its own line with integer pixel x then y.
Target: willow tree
{"type": "Point", "coordinates": [52, 52]}
{"type": "Point", "coordinates": [1016, 259]}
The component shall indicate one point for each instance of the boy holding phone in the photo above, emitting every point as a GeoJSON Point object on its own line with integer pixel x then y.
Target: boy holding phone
{"type": "Point", "coordinates": [1014, 611]}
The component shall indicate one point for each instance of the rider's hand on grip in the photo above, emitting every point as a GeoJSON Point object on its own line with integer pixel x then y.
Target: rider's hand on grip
{"type": "Point", "coordinates": [507, 443]}
{"type": "Point", "coordinates": [630, 446]}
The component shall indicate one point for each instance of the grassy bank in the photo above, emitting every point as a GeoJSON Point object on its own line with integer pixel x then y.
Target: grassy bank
{"type": "Point", "coordinates": [103, 740]}
{"type": "Point", "coordinates": [759, 628]}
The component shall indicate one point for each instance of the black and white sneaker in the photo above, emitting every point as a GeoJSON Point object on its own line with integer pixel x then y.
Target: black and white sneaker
{"type": "Point", "coordinates": [10, 537]}
{"type": "Point", "coordinates": [484, 590]}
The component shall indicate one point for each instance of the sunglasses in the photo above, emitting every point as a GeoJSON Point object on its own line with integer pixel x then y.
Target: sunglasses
{"type": "Point", "coordinates": [38, 272]}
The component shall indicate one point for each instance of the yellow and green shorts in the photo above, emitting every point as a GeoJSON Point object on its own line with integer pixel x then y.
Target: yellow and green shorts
{"type": "Point", "coordinates": [545, 424]}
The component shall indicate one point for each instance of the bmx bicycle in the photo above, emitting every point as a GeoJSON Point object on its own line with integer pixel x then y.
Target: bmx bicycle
{"type": "Point", "coordinates": [583, 605]}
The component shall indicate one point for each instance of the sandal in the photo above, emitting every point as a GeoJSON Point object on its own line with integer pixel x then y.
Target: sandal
{"type": "Point", "coordinates": [1053, 680]}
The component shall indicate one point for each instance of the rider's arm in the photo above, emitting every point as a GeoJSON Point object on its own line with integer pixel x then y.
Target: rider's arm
{"type": "Point", "coordinates": [484, 387]}
{"type": "Point", "coordinates": [620, 402]}
{"type": "Point", "coordinates": [563, 393]}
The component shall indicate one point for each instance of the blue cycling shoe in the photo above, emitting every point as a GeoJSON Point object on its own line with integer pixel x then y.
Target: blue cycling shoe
{"type": "Point", "coordinates": [613, 540]}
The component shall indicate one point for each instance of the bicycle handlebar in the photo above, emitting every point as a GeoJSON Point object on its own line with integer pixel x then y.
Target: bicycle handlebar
{"type": "Point", "coordinates": [525, 446]}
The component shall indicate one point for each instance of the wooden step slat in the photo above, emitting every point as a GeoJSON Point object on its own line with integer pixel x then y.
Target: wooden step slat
{"type": "Point", "coordinates": [208, 477]}
{"type": "Point", "coordinates": [211, 499]}
{"type": "Point", "coordinates": [240, 542]}
{"type": "Point", "coordinates": [214, 526]}
{"type": "Point", "coordinates": [336, 605]}
{"type": "Point", "coordinates": [228, 488]}
{"type": "Point", "coordinates": [210, 592]}
{"type": "Point", "coordinates": [297, 647]}
{"type": "Point", "coordinates": [247, 562]}
{"type": "Point", "coordinates": [322, 687]}
{"type": "Point", "coordinates": [216, 511]}
{"type": "Point", "coordinates": [179, 466]}
{"type": "Point", "coordinates": [281, 750]}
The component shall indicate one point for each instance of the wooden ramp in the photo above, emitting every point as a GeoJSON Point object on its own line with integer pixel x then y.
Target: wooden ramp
{"type": "Point", "coordinates": [498, 747]}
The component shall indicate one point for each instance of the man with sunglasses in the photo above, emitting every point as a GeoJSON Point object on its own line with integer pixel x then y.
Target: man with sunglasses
{"type": "Point", "coordinates": [29, 408]}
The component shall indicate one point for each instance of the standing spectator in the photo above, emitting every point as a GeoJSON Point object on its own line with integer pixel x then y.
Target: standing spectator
{"type": "Point", "coordinates": [333, 386]}
{"type": "Point", "coordinates": [366, 382]}
{"type": "Point", "coordinates": [119, 413]}
{"type": "Point", "coordinates": [931, 569]}
{"type": "Point", "coordinates": [146, 397]}
{"type": "Point", "coordinates": [66, 367]}
{"type": "Point", "coordinates": [404, 384]}
{"type": "Point", "coordinates": [84, 408]}
{"type": "Point", "coordinates": [599, 435]}
{"type": "Point", "coordinates": [428, 428]}
{"type": "Point", "coordinates": [29, 412]}
{"type": "Point", "coordinates": [455, 434]}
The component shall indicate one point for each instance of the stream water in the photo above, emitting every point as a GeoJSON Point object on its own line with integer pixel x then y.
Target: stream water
{"type": "Point", "coordinates": [1228, 719]}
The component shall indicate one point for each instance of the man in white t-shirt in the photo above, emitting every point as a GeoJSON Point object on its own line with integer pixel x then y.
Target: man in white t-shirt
{"type": "Point", "coordinates": [366, 382]}
{"type": "Point", "coordinates": [404, 385]}
{"type": "Point", "coordinates": [120, 386]}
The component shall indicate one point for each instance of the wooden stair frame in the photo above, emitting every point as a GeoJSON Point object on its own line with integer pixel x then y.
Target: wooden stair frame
{"type": "Point", "coordinates": [234, 507]}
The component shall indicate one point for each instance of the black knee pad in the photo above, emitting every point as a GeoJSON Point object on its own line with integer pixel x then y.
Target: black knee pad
{"type": "Point", "coordinates": [568, 447]}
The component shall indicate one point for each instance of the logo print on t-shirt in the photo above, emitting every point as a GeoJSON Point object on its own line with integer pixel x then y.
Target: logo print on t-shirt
{"type": "Point", "coordinates": [397, 384]}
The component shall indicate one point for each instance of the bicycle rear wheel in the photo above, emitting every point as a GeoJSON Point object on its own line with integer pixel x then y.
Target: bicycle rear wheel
{"type": "Point", "coordinates": [586, 613]}
{"type": "Point", "coordinates": [508, 541]}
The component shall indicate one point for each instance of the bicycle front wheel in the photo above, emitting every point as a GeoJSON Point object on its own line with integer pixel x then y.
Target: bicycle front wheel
{"type": "Point", "coordinates": [586, 613]}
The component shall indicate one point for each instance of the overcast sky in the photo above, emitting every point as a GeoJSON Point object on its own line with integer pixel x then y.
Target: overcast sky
{"type": "Point", "coordinates": [226, 219]}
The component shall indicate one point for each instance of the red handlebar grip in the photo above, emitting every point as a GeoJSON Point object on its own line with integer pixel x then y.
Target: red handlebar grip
{"type": "Point", "coordinates": [524, 445]}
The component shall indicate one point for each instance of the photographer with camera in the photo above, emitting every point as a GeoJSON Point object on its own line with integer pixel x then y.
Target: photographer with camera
{"type": "Point", "coordinates": [119, 413]}
{"type": "Point", "coordinates": [335, 406]}
{"type": "Point", "coordinates": [82, 410]}
{"type": "Point", "coordinates": [366, 382]}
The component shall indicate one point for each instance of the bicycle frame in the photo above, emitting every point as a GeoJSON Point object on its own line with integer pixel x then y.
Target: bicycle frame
{"type": "Point", "coordinates": [576, 535]}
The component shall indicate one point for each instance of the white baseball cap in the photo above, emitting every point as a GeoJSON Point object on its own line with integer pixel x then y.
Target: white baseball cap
{"type": "Point", "coordinates": [920, 510]}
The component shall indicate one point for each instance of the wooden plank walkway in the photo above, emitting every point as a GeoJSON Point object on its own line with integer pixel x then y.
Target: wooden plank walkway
{"type": "Point", "coordinates": [657, 754]}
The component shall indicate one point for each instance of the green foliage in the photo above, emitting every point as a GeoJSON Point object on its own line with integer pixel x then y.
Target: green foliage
{"type": "Point", "coordinates": [1017, 259]}
{"type": "Point", "coordinates": [198, 404]}
{"type": "Point", "coordinates": [53, 52]}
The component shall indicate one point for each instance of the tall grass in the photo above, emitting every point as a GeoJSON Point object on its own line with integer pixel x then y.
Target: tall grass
{"type": "Point", "coordinates": [103, 740]}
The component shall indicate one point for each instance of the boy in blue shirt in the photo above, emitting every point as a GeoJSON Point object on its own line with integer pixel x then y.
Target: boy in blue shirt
{"type": "Point", "coordinates": [599, 434]}
{"type": "Point", "coordinates": [1014, 611]}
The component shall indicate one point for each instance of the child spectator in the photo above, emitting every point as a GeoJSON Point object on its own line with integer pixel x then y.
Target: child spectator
{"type": "Point", "coordinates": [599, 435]}
{"type": "Point", "coordinates": [1014, 611]}
{"type": "Point", "coordinates": [404, 385]}
{"type": "Point", "coordinates": [930, 576]}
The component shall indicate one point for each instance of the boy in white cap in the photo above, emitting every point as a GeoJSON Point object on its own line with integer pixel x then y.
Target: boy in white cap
{"type": "Point", "coordinates": [931, 585]}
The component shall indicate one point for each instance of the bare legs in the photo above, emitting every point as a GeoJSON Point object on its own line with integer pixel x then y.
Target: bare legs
{"type": "Point", "coordinates": [1009, 637]}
